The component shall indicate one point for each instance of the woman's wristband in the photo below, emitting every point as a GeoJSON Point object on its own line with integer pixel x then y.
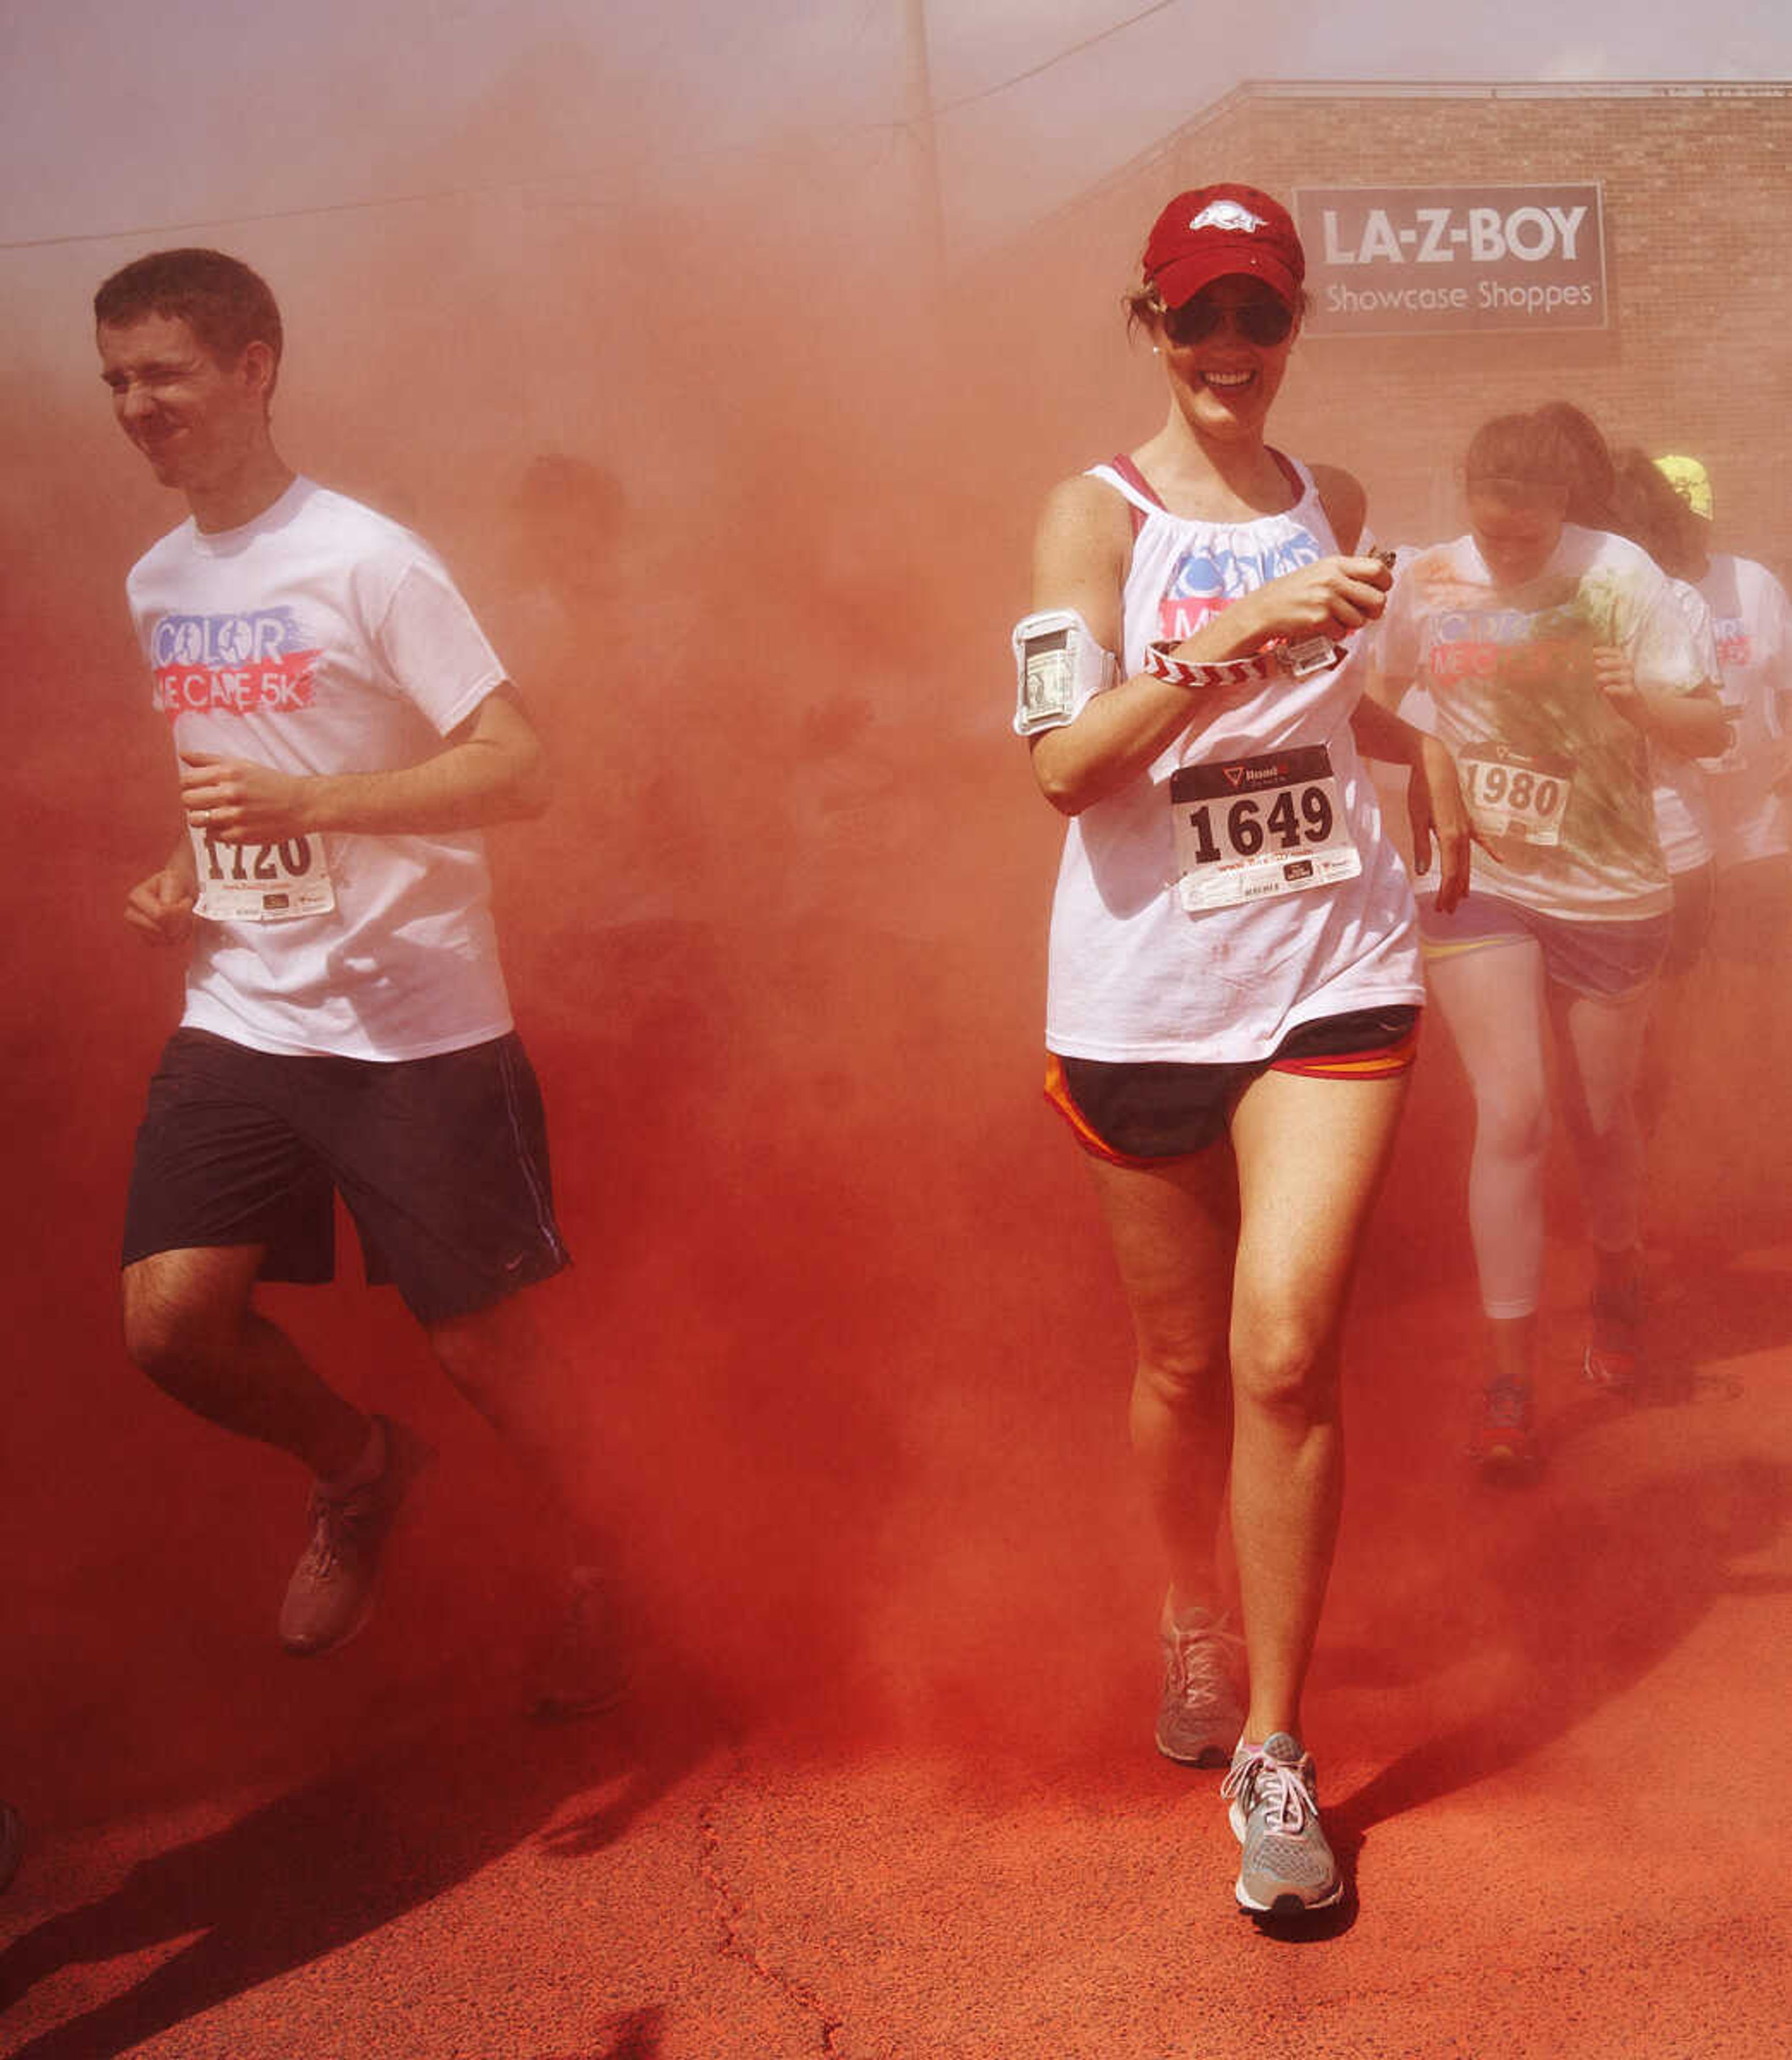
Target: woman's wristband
{"type": "Point", "coordinates": [1298, 658]}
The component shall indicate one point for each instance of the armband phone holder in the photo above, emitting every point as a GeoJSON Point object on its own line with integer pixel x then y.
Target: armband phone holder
{"type": "Point", "coordinates": [1058, 665]}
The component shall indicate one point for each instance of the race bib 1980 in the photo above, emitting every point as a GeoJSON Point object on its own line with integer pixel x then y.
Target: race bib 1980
{"type": "Point", "coordinates": [1512, 796]}
{"type": "Point", "coordinates": [1255, 827]}
{"type": "Point", "coordinates": [261, 883]}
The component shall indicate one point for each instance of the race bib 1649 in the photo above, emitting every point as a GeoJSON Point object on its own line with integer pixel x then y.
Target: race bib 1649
{"type": "Point", "coordinates": [1250, 827]}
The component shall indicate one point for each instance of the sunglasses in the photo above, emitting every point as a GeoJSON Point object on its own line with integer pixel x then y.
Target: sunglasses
{"type": "Point", "coordinates": [1266, 321]}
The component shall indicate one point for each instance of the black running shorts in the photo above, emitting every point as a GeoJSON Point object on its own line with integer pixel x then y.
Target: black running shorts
{"type": "Point", "coordinates": [1141, 1112]}
{"type": "Point", "coordinates": [442, 1163]}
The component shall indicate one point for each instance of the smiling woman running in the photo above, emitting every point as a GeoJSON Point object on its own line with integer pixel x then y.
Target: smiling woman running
{"type": "Point", "coordinates": [1233, 957]}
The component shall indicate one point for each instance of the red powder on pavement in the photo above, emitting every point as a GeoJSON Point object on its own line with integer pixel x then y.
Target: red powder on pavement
{"type": "Point", "coordinates": [856, 1359]}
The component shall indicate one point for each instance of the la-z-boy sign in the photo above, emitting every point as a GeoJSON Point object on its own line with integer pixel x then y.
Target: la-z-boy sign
{"type": "Point", "coordinates": [1384, 261]}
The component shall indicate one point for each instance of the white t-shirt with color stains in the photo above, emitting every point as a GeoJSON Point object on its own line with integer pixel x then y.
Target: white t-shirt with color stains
{"type": "Point", "coordinates": [1560, 782]}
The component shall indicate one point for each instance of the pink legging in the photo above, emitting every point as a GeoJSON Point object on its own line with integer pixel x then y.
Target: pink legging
{"type": "Point", "coordinates": [1503, 1011]}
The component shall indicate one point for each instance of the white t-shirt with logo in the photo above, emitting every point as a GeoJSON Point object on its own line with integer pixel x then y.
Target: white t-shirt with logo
{"type": "Point", "coordinates": [1137, 973]}
{"type": "Point", "coordinates": [1682, 801]}
{"type": "Point", "coordinates": [322, 638]}
{"type": "Point", "coordinates": [1753, 619]}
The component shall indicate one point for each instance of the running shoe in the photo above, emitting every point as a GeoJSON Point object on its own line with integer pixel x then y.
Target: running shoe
{"type": "Point", "coordinates": [1614, 1359]}
{"type": "Point", "coordinates": [12, 1844]}
{"type": "Point", "coordinates": [1286, 1868]}
{"type": "Point", "coordinates": [331, 1593]}
{"type": "Point", "coordinates": [1504, 1438]}
{"type": "Point", "coordinates": [584, 1671]}
{"type": "Point", "coordinates": [1200, 1715]}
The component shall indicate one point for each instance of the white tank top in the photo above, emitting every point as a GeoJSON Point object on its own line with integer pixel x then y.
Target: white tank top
{"type": "Point", "coordinates": [1134, 976]}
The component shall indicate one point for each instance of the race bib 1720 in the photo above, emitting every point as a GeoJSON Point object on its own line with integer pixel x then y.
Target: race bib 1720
{"type": "Point", "coordinates": [261, 883]}
{"type": "Point", "coordinates": [1255, 827]}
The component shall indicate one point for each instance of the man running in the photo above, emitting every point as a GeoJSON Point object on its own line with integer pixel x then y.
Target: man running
{"type": "Point", "coordinates": [343, 731]}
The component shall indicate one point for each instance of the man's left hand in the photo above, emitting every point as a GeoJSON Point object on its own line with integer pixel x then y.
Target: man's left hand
{"type": "Point", "coordinates": [238, 802]}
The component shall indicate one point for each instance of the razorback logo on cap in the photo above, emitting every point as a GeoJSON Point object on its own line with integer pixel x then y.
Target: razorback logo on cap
{"type": "Point", "coordinates": [1230, 215]}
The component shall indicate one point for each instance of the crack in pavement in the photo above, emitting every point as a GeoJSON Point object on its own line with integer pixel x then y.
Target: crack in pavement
{"type": "Point", "coordinates": [731, 1917]}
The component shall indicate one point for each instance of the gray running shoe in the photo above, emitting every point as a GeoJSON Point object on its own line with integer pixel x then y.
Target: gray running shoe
{"type": "Point", "coordinates": [585, 1672]}
{"type": "Point", "coordinates": [1287, 1867]}
{"type": "Point", "coordinates": [12, 1844]}
{"type": "Point", "coordinates": [331, 1593]}
{"type": "Point", "coordinates": [1198, 1715]}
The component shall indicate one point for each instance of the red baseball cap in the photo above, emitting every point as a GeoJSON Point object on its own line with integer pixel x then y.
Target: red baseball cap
{"type": "Point", "coordinates": [1215, 232]}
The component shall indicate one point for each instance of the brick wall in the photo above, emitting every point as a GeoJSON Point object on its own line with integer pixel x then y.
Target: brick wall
{"type": "Point", "coordinates": [1697, 192]}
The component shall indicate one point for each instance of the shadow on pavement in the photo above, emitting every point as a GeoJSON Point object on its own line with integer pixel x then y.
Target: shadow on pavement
{"type": "Point", "coordinates": [1591, 1596]}
{"type": "Point", "coordinates": [330, 1861]}
{"type": "Point", "coordinates": [1320, 1927]}
{"type": "Point", "coordinates": [636, 2037]}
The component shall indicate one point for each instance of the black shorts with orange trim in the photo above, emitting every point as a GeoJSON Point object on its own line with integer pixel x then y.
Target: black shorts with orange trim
{"type": "Point", "coordinates": [1140, 1114]}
